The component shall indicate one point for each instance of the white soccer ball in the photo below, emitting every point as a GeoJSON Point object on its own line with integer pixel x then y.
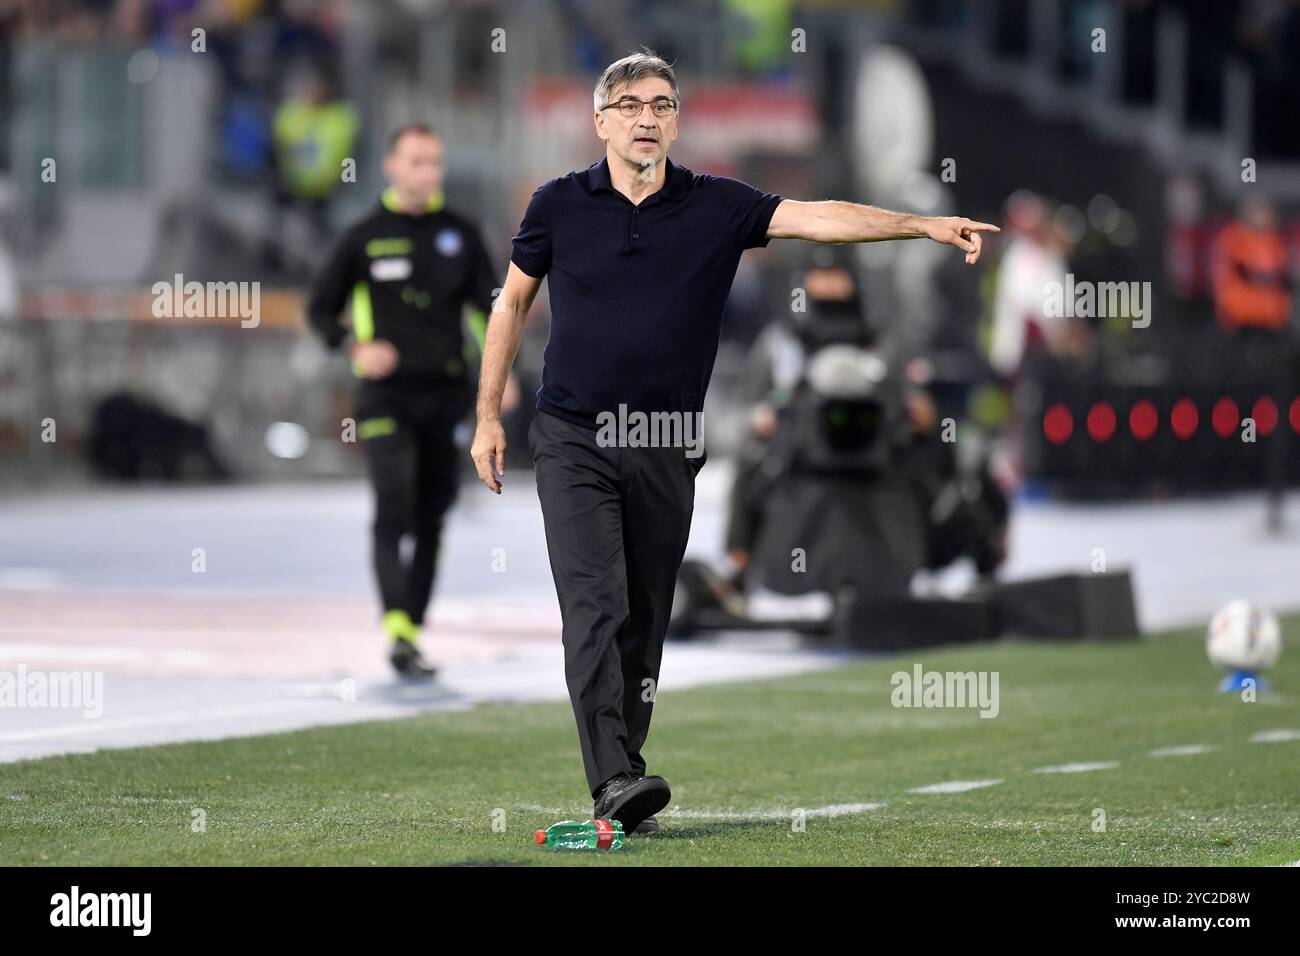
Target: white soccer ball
{"type": "Point", "coordinates": [1243, 637]}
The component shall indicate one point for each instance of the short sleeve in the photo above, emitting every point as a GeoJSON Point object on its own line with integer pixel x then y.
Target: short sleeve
{"type": "Point", "coordinates": [531, 246]}
{"type": "Point", "coordinates": [748, 210]}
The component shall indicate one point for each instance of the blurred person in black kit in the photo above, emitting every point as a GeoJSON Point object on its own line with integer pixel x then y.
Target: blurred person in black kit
{"type": "Point", "coordinates": [410, 268]}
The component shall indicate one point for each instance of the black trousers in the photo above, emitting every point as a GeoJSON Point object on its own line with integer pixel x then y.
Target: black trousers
{"type": "Point", "coordinates": [616, 520]}
{"type": "Point", "coordinates": [407, 433]}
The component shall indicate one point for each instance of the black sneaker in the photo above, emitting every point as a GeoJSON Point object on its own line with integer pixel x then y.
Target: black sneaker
{"type": "Point", "coordinates": [407, 661]}
{"type": "Point", "coordinates": [632, 800]}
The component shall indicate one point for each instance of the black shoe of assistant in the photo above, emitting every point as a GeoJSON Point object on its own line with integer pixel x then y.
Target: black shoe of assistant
{"type": "Point", "coordinates": [631, 800]}
{"type": "Point", "coordinates": [407, 661]}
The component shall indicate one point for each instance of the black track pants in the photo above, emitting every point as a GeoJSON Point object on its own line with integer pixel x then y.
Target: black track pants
{"type": "Point", "coordinates": [414, 465]}
{"type": "Point", "coordinates": [617, 520]}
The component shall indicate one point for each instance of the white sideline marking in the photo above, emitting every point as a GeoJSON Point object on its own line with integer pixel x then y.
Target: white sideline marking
{"type": "Point", "coordinates": [152, 720]}
{"type": "Point", "coordinates": [1078, 767]}
{"type": "Point", "coordinates": [30, 579]}
{"type": "Point", "coordinates": [97, 655]}
{"type": "Point", "coordinates": [1274, 736]}
{"type": "Point", "coordinates": [954, 786]}
{"type": "Point", "coordinates": [833, 810]}
{"type": "Point", "coordinates": [1185, 750]}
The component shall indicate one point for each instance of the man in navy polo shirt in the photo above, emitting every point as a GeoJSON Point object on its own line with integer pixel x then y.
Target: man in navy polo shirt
{"type": "Point", "coordinates": [641, 254]}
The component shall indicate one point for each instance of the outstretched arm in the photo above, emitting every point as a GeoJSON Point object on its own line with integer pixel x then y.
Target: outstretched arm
{"type": "Point", "coordinates": [835, 221]}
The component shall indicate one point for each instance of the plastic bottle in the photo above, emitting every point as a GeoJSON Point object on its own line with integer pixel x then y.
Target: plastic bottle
{"type": "Point", "coordinates": [581, 835]}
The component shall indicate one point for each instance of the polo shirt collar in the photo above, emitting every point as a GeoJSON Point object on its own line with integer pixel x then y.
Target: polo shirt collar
{"type": "Point", "coordinates": [675, 179]}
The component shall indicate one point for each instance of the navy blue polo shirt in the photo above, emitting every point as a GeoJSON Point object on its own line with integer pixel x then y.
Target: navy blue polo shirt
{"type": "Point", "coordinates": [637, 292]}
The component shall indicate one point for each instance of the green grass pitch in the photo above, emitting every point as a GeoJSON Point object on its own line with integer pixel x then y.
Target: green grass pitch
{"type": "Point", "coordinates": [471, 787]}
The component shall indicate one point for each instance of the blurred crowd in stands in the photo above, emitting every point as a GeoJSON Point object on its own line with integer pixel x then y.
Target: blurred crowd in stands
{"type": "Point", "coordinates": [285, 123]}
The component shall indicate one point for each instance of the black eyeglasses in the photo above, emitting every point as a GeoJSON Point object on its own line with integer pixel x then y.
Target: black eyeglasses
{"type": "Point", "coordinates": [630, 107]}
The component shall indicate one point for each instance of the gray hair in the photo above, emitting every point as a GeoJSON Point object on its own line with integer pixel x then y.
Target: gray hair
{"type": "Point", "coordinates": [633, 69]}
